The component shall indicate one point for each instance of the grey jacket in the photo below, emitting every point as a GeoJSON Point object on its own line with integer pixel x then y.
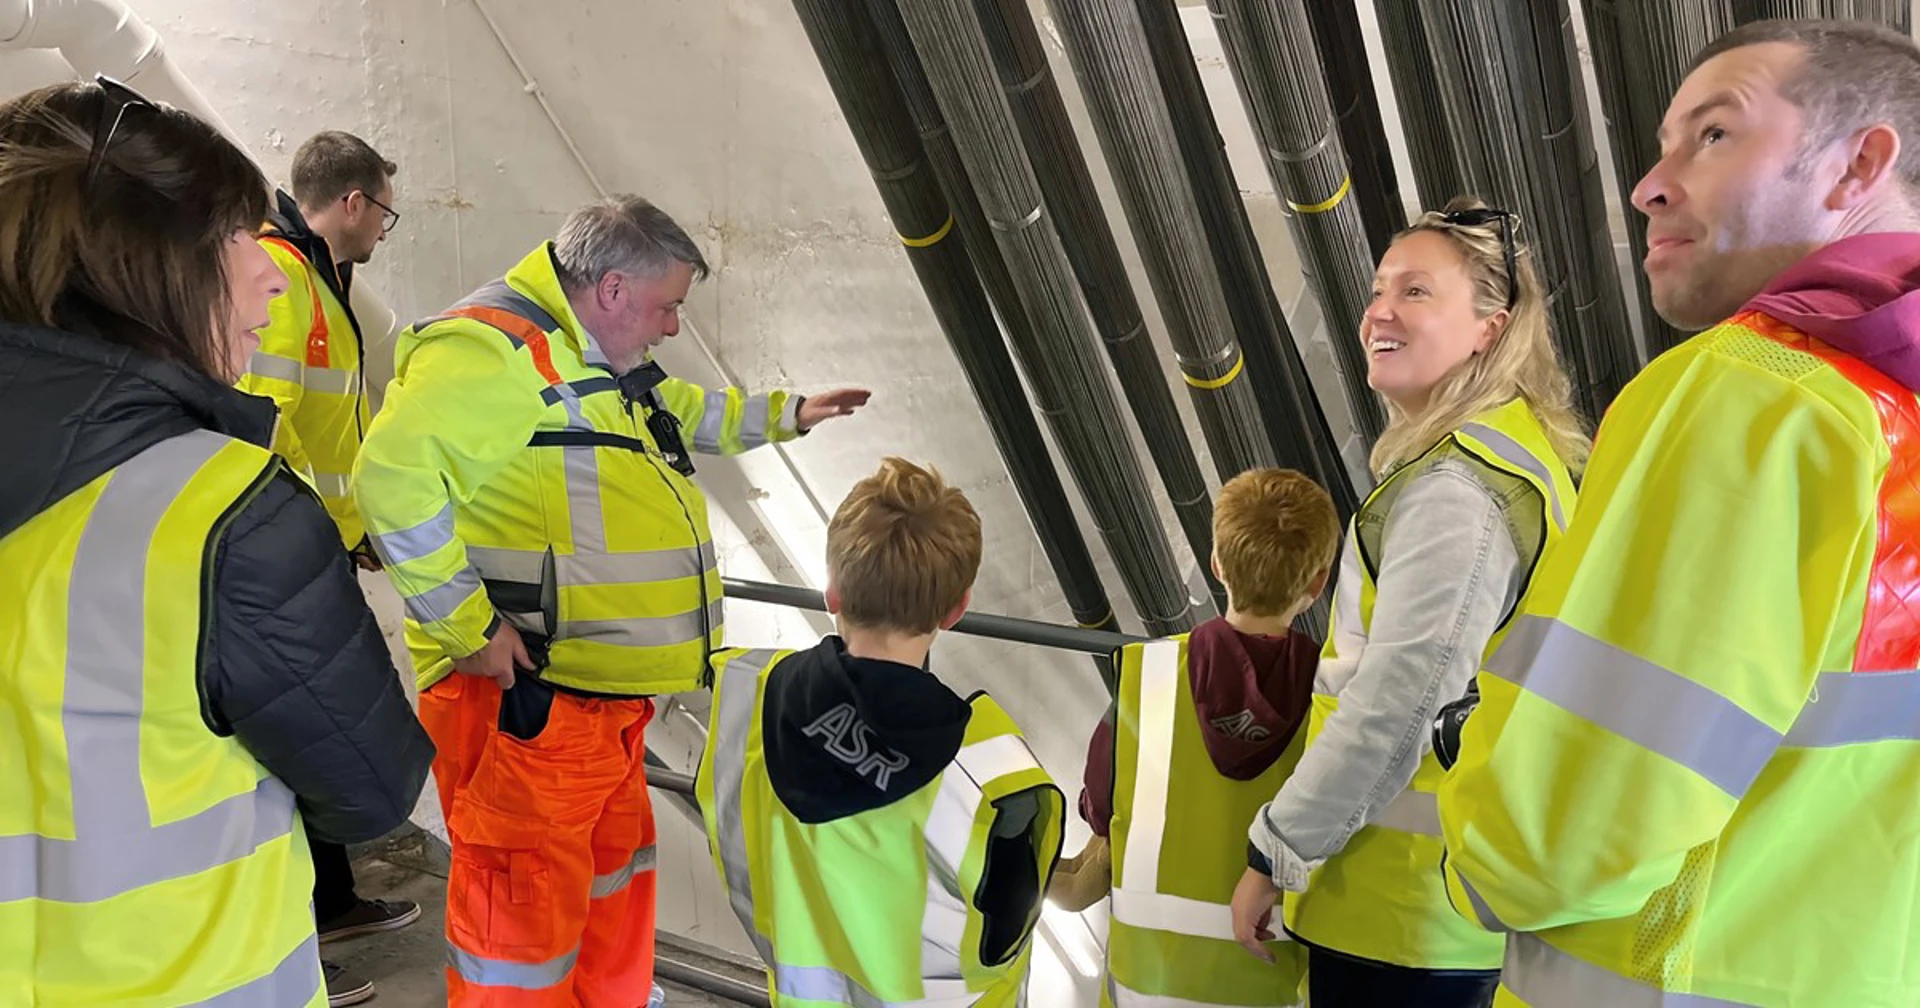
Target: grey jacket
{"type": "Point", "coordinates": [1450, 570]}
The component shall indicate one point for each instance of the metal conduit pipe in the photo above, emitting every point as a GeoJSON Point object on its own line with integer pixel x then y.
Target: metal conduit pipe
{"type": "Point", "coordinates": [948, 36]}
{"type": "Point", "coordinates": [1066, 186]}
{"type": "Point", "coordinates": [1893, 13]}
{"type": "Point", "coordinates": [849, 49]}
{"type": "Point", "coordinates": [1641, 51]}
{"type": "Point", "coordinates": [1437, 176]}
{"type": "Point", "coordinates": [1108, 49]}
{"type": "Point", "coordinates": [1523, 141]}
{"type": "Point", "coordinates": [1343, 57]}
{"type": "Point", "coordinates": [1269, 47]}
{"type": "Point", "coordinates": [1302, 438]}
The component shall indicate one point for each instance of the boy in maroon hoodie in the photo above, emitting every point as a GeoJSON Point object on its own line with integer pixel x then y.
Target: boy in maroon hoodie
{"type": "Point", "coordinates": [1205, 729]}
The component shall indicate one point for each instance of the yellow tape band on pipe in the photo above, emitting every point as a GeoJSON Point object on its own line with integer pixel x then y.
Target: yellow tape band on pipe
{"type": "Point", "coordinates": [930, 239]}
{"type": "Point", "coordinates": [1214, 383]}
{"type": "Point", "coordinates": [1329, 203]}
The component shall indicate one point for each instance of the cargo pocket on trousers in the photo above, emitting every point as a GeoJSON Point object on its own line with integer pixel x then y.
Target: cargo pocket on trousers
{"type": "Point", "coordinates": [500, 903]}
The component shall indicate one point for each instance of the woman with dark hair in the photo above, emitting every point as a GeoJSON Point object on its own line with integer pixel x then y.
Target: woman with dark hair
{"type": "Point", "coordinates": [188, 667]}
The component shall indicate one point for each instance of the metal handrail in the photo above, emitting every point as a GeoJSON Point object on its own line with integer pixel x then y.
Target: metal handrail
{"type": "Point", "coordinates": [1102, 643]}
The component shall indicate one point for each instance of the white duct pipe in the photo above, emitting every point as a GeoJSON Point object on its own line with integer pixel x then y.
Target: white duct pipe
{"type": "Point", "coordinates": [105, 36]}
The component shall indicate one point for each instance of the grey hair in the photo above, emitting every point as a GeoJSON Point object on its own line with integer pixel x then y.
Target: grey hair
{"type": "Point", "coordinates": [1857, 74]}
{"type": "Point", "coordinates": [622, 234]}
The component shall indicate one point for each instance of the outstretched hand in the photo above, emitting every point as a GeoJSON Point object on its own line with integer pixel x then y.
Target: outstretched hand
{"type": "Point", "coordinates": [827, 405]}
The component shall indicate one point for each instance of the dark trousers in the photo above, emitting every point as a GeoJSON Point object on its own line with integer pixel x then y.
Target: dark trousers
{"type": "Point", "coordinates": [333, 892]}
{"type": "Point", "coordinates": [1339, 981]}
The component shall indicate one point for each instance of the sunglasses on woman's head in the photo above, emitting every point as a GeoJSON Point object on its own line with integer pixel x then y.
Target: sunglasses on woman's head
{"type": "Point", "coordinates": [1481, 218]}
{"type": "Point", "coordinates": [120, 98]}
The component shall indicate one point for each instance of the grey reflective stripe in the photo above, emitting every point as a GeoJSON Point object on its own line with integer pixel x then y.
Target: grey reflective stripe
{"type": "Point", "coordinates": [823, 983]}
{"type": "Point", "coordinates": [1488, 919]}
{"type": "Point", "coordinates": [1854, 708]}
{"type": "Point", "coordinates": [637, 567]}
{"type": "Point", "coordinates": [583, 498]}
{"type": "Point", "coordinates": [438, 603]}
{"type": "Point", "coordinates": [424, 539]}
{"type": "Point", "coordinates": [1513, 453]}
{"type": "Point", "coordinates": [713, 422]}
{"type": "Point", "coordinates": [333, 381]}
{"type": "Point", "coordinates": [552, 394]}
{"type": "Point", "coordinates": [102, 706]}
{"type": "Point", "coordinates": [498, 294]}
{"type": "Point", "coordinates": [616, 880]}
{"type": "Point", "coordinates": [267, 365]}
{"type": "Point", "coordinates": [644, 631]}
{"type": "Point", "coordinates": [739, 686]}
{"type": "Point", "coordinates": [1638, 701]}
{"type": "Point", "coordinates": [1545, 977]}
{"type": "Point", "coordinates": [497, 563]}
{"type": "Point", "coordinates": [506, 973]}
{"type": "Point", "coordinates": [1411, 811]}
{"type": "Point", "coordinates": [294, 983]}
{"type": "Point", "coordinates": [334, 485]}
{"type": "Point", "coordinates": [753, 429]}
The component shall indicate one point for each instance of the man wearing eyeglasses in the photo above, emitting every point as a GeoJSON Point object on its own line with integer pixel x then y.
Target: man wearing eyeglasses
{"type": "Point", "coordinates": [310, 364]}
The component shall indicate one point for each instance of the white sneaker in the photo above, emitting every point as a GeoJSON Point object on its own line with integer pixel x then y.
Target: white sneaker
{"type": "Point", "coordinates": [658, 998]}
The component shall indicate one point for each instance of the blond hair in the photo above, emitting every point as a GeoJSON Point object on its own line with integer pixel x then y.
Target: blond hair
{"type": "Point", "coordinates": [1274, 532]}
{"type": "Point", "coordinates": [902, 550]}
{"type": "Point", "coordinates": [1521, 363]}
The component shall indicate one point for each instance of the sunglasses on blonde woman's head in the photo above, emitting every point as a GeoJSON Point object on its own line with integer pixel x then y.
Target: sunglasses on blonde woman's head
{"type": "Point", "coordinates": [1481, 218]}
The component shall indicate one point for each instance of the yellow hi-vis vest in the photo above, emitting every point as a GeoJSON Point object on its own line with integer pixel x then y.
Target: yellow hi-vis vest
{"type": "Point", "coordinates": [1381, 896]}
{"type": "Point", "coordinates": [876, 909]}
{"type": "Point", "coordinates": [1179, 846]}
{"type": "Point", "coordinates": [144, 860]}
{"type": "Point", "coordinates": [309, 363]}
{"type": "Point", "coordinates": [1690, 781]}
{"type": "Point", "coordinates": [509, 477]}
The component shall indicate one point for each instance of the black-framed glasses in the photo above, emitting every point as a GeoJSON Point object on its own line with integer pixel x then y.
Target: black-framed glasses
{"type": "Point", "coordinates": [120, 98]}
{"type": "Point", "coordinates": [390, 218]}
{"type": "Point", "coordinates": [1481, 218]}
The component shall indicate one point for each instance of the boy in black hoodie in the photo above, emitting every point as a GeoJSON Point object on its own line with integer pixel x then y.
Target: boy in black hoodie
{"type": "Point", "coordinates": [881, 839]}
{"type": "Point", "coordinates": [1205, 726]}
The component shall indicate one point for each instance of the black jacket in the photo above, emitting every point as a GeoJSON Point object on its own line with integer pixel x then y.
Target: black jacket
{"type": "Point", "coordinates": [292, 663]}
{"type": "Point", "coordinates": [846, 735]}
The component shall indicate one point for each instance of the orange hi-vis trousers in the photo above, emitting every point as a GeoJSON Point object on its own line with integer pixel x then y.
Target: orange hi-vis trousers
{"type": "Point", "coordinates": [550, 901]}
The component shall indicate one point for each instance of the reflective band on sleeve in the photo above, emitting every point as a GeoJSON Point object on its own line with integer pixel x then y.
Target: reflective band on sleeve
{"type": "Point", "coordinates": [1164, 912]}
{"type": "Point", "coordinates": [753, 428]}
{"type": "Point", "coordinates": [101, 715]}
{"type": "Point", "coordinates": [1638, 701]}
{"type": "Point", "coordinates": [438, 603]}
{"type": "Point", "coordinates": [991, 759]}
{"type": "Point", "coordinates": [738, 688]}
{"type": "Point", "coordinates": [616, 880]}
{"type": "Point", "coordinates": [1854, 708]}
{"type": "Point", "coordinates": [505, 973]}
{"type": "Point", "coordinates": [644, 631]}
{"type": "Point", "coordinates": [1481, 911]}
{"type": "Point", "coordinates": [1159, 701]}
{"type": "Point", "coordinates": [1545, 977]}
{"type": "Point", "coordinates": [424, 539]}
{"type": "Point", "coordinates": [1513, 453]}
{"type": "Point", "coordinates": [267, 365]}
{"type": "Point", "coordinates": [294, 983]}
{"type": "Point", "coordinates": [1411, 811]}
{"type": "Point", "coordinates": [713, 422]}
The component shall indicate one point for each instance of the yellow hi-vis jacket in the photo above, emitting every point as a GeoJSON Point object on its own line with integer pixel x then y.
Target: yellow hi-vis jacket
{"type": "Point", "coordinates": [1177, 829]}
{"type": "Point", "coordinates": [508, 477]}
{"type": "Point", "coordinates": [1380, 897]}
{"type": "Point", "coordinates": [309, 363]}
{"type": "Point", "coordinates": [144, 860]}
{"type": "Point", "coordinates": [876, 909]}
{"type": "Point", "coordinates": [1691, 778]}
